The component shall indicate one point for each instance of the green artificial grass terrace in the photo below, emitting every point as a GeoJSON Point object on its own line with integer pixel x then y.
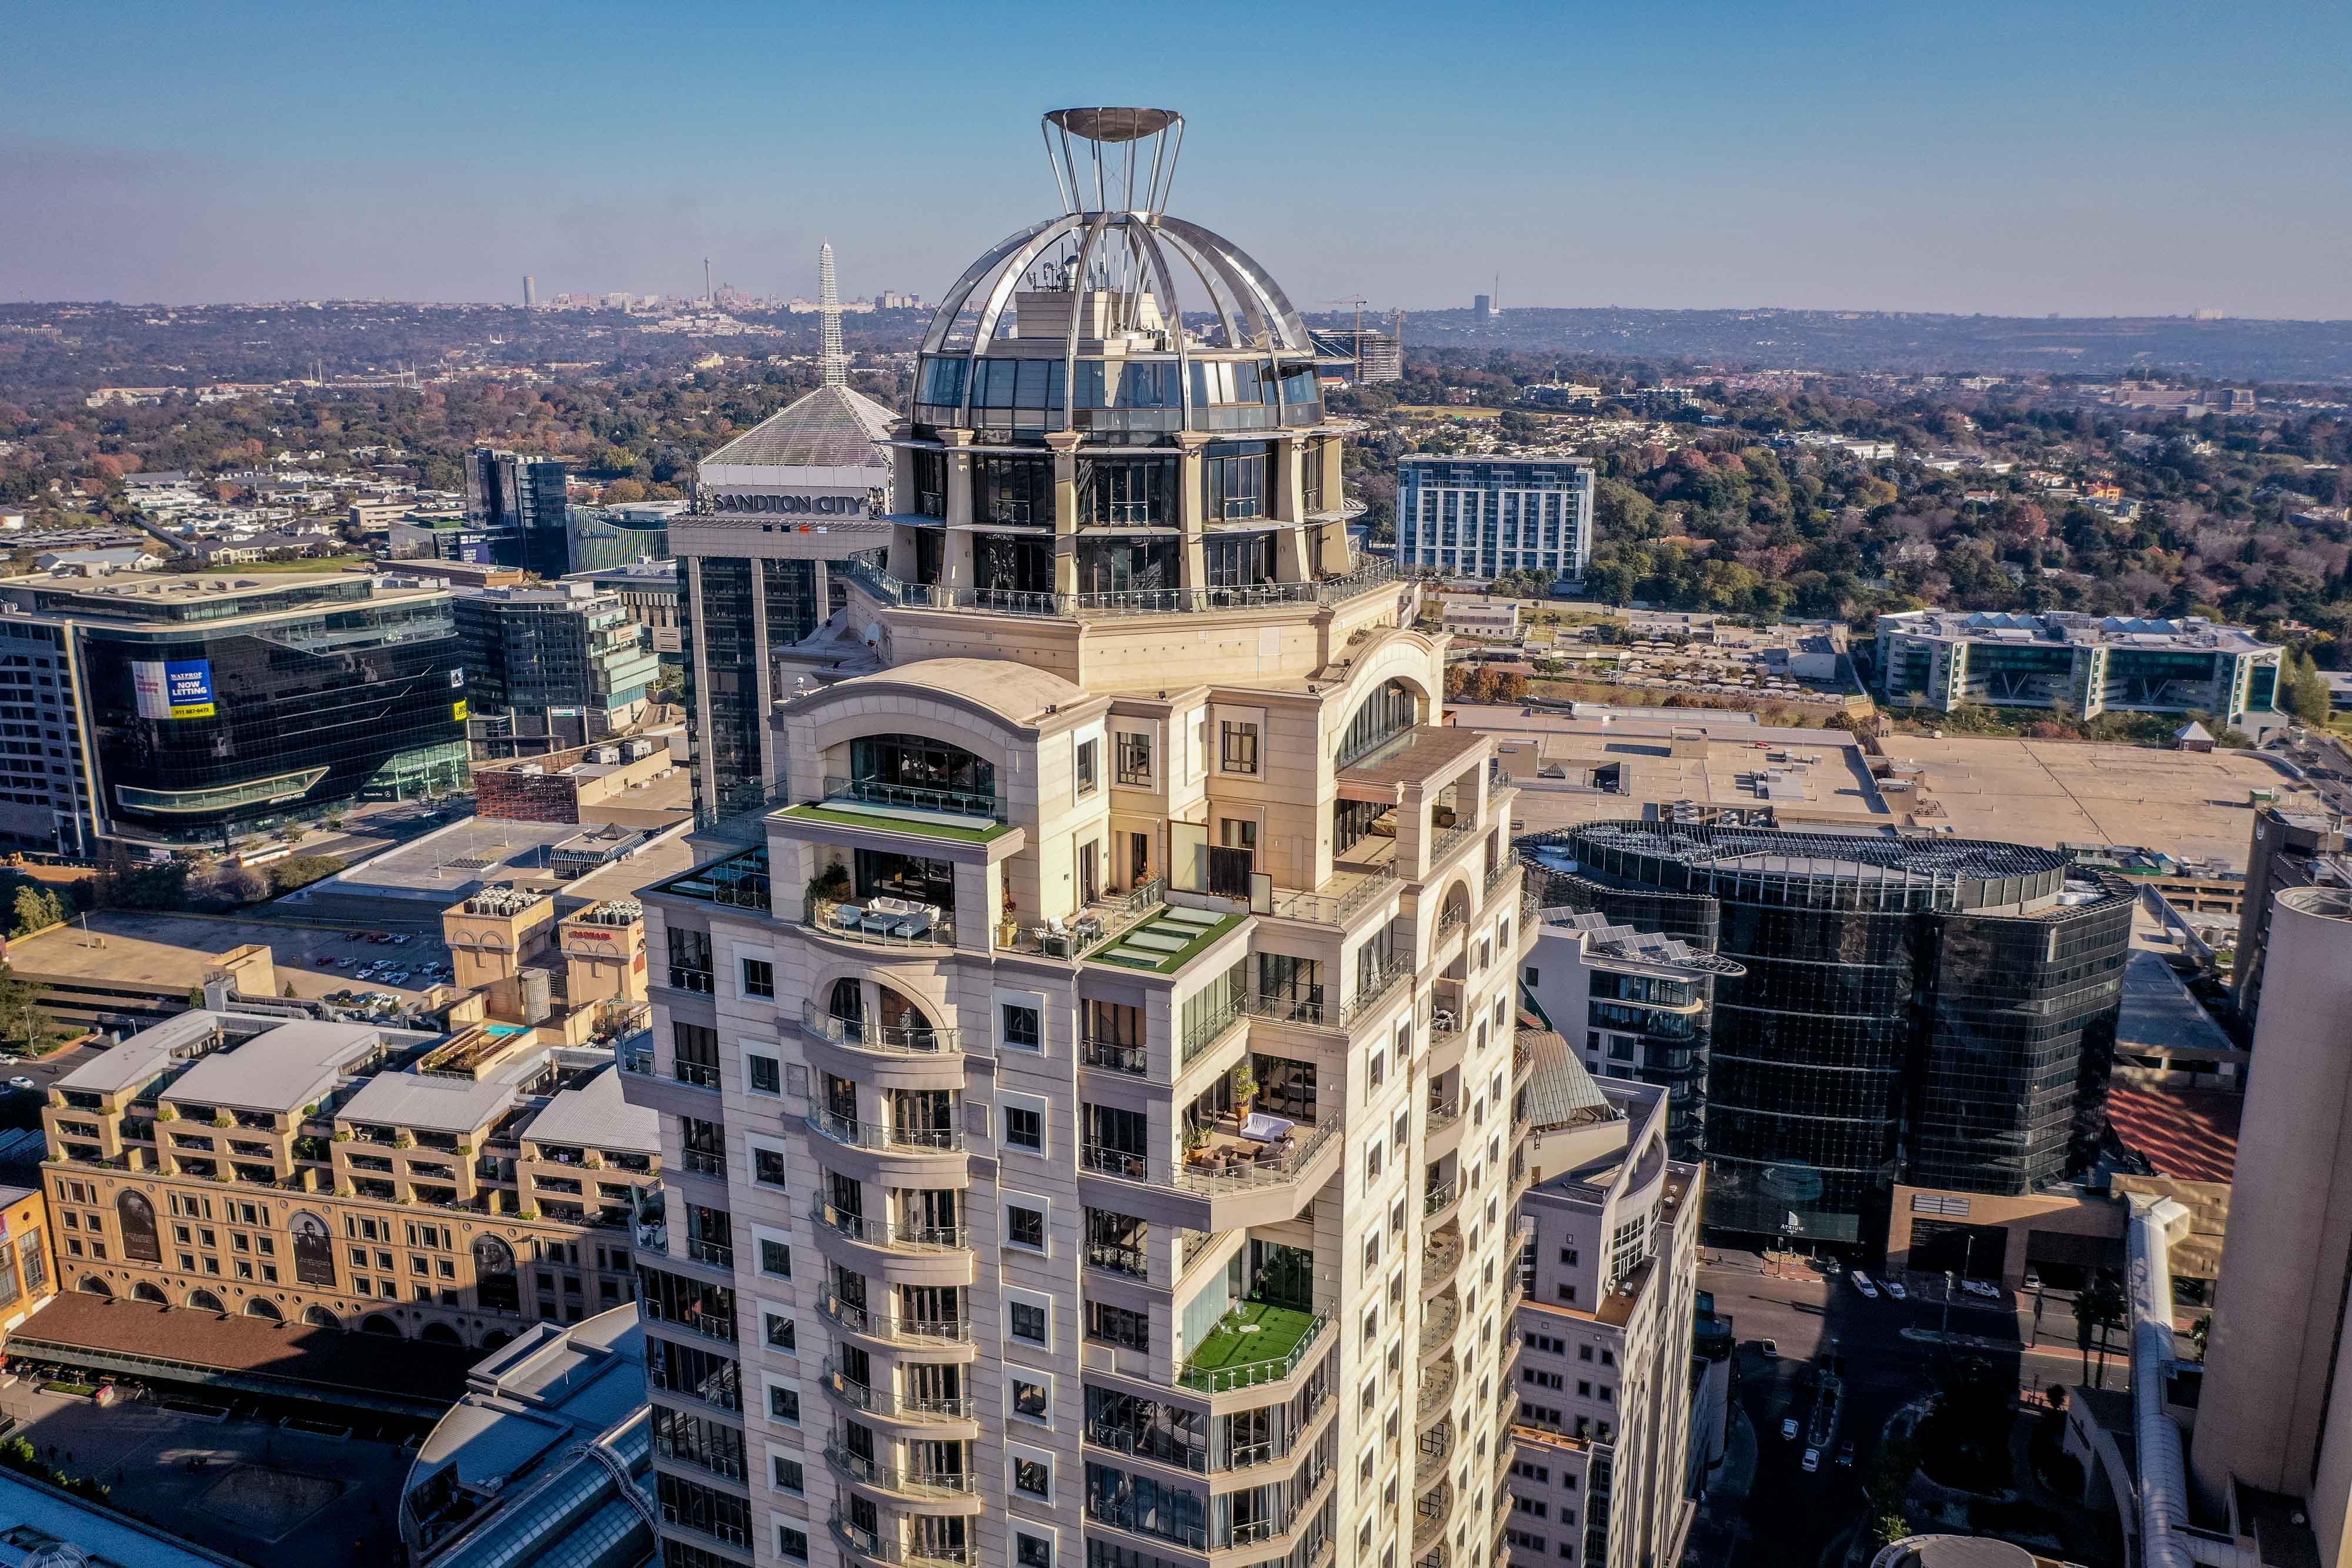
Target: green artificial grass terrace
{"type": "Point", "coordinates": [877, 822]}
{"type": "Point", "coordinates": [1106, 952]}
{"type": "Point", "coordinates": [1279, 1330]}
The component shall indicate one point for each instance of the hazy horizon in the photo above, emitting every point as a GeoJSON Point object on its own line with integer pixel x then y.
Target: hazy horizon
{"type": "Point", "coordinates": [2112, 161]}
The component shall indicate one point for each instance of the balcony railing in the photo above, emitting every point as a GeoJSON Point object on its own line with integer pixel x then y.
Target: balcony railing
{"type": "Point", "coordinates": [880, 1325]}
{"type": "Point", "coordinates": [868, 1544]}
{"type": "Point", "coordinates": [894, 590]}
{"type": "Point", "coordinates": [1327, 909]}
{"type": "Point", "coordinates": [887, 1233]}
{"type": "Point", "coordinates": [721, 1253]}
{"type": "Point", "coordinates": [1119, 1258]}
{"type": "Point", "coordinates": [1115, 1056]}
{"type": "Point", "coordinates": [893, 1477]}
{"type": "Point", "coordinates": [891, 1039]}
{"type": "Point", "coordinates": [857, 1134]}
{"type": "Point", "coordinates": [1441, 1196]}
{"type": "Point", "coordinates": [1223, 1379]}
{"type": "Point", "coordinates": [1125, 1164]}
{"type": "Point", "coordinates": [688, 978]}
{"type": "Point", "coordinates": [1122, 1439]}
{"type": "Point", "coordinates": [905, 797]}
{"type": "Point", "coordinates": [852, 922]}
{"type": "Point", "coordinates": [1208, 1032]}
{"type": "Point", "coordinates": [862, 1396]}
{"type": "Point", "coordinates": [1499, 875]}
{"type": "Point", "coordinates": [1249, 1175]}
{"type": "Point", "coordinates": [1447, 839]}
{"type": "Point", "coordinates": [701, 1074]}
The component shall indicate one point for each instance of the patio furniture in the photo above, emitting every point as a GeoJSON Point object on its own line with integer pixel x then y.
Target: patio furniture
{"type": "Point", "coordinates": [847, 916]}
{"type": "Point", "coordinates": [1262, 1128]}
{"type": "Point", "coordinates": [897, 917]}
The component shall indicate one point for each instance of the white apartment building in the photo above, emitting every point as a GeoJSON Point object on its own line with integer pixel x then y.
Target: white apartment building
{"type": "Point", "coordinates": [1601, 1476]}
{"type": "Point", "coordinates": [1482, 517]}
{"type": "Point", "coordinates": [1091, 1103]}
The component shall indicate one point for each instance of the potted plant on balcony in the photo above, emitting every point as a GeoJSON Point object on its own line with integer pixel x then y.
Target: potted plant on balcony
{"type": "Point", "coordinates": [1196, 1142]}
{"type": "Point", "coordinates": [1245, 1087]}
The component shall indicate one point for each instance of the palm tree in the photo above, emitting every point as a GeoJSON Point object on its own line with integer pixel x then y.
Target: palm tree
{"type": "Point", "coordinates": [2099, 1306]}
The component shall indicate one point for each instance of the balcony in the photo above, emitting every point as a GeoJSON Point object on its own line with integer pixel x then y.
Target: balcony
{"type": "Point", "coordinates": [1226, 1162]}
{"type": "Point", "coordinates": [1440, 1197]}
{"type": "Point", "coordinates": [1438, 1323]}
{"type": "Point", "coordinates": [850, 1133]}
{"type": "Point", "coordinates": [867, 1400]}
{"type": "Point", "coordinates": [868, 806]}
{"type": "Point", "coordinates": [890, 1236]}
{"type": "Point", "coordinates": [739, 882]}
{"type": "Point", "coordinates": [1440, 1255]}
{"type": "Point", "coordinates": [873, 1547]}
{"type": "Point", "coordinates": [1377, 577]}
{"type": "Point", "coordinates": [879, 1324]}
{"type": "Point", "coordinates": [883, 1040]}
{"type": "Point", "coordinates": [1090, 928]}
{"type": "Point", "coordinates": [881, 922]}
{"type": "Point", "coordinates": [1436, 1397]}
{"type": "Point", "coordinates": [1255, 1342]}
{"type": "Point", "coordinates": [1429, 1513]}
{"type": "Point", "coordinates": [866, 1471]}
{"type": "Point", "coordinates": [1115, 1056]}
{"type": "Point", "coordinates": [1337, 901]}
{"type": "Point", "coordinates": [718, 1254]}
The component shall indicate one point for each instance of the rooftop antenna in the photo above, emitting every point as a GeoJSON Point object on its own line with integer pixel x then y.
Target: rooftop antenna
{"type": "Point", "coordinates": [832, 362]}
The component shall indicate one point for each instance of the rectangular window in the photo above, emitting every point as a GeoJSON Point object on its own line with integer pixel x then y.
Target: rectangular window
{"type": "Point", "coordinates": [1134, 759]}
{"type": "Point", "coordinates": [1024, 1227]}
{"type": "Point", "coordinates": [759, 978]}
{"type": "Point", "coordinates": [1023, 1030]}
{"type": "Point", "coordinates": [1033, 1477]}
{"type": "Point", "coordinates": [768, 1167]}
{"type": "Point", "coordinates": [1032, 1400]}
{"type": "Point", "coordinates": [790, 1478]}
{"type": "Point", "coordinates": [785, 1405]}
{"type": "Point", "coordinates": [792, 1545]}
{"type": "Point", "coordinates": [1037, 1552]}
{"type": "Point", "coordinates": [1116, 1325]}
{"type": "Point", "coordinates": [1088, 778]}
{"type": "Point", "coordinates": [1026, 1322]}
{"type": "Point", "coordinates": [775, 1258]}
{"type": "Point", "coordinates": [1238, 747]}
{"type": "Point", "coordinates": [1024, 1129]}
{"type": "Point", "coordinates": [763, 1075]}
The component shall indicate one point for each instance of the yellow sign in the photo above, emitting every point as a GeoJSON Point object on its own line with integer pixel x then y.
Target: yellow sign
{"type": "Point", "coordinates": [457, 709]}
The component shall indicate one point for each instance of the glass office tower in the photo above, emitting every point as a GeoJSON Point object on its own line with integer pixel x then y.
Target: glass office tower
{"type": "Point", "coordinates": [1936, 1012]}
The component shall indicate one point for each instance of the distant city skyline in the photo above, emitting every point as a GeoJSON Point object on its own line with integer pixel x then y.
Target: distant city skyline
{"type": "Point", "coordinates": [2109, 159]}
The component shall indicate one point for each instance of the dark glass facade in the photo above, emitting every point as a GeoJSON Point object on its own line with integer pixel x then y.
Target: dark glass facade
{"type": "Point", "coordinates": [1940, 1013]}
{"type": "Point", "coordinates": [357, 701]}
{"type": "Point", "coordinates": [719, 611]}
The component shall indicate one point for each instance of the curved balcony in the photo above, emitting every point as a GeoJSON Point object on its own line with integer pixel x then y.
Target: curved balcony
{"type": "Point", "coordinates": [1254, 1345]}
{"type": "Point", "coordinates": [1436, 1397]}
{"type": "Point", "coordinates": [914, 1254]}
{"type": "Point", "coordinates": [1438, 1321]}
{"type": "Point", "coordinates": [1430, 1512]}
{"type": "Point", "coordinates": [1439, 1203]}
{"type": "Point", "coordinates": [873, 1039]}
{"type": "Point", "coordinates": [931, 1487]}
{"type": "Point", "coordinates": [882, 1405]}
{"type": "Point", "coordinates": [882, 1138]}
{"type": "Point", "coordinates": [1440, 1255]}
{"type": "Point", "coordinates": [1438, 1556]}
{"type": "Point", "coordinates": [1444, 1134]}
{"type": "Point", "coordinates": [872, 1547]}
{"type": "Point", "coordinates": [874, 1325]}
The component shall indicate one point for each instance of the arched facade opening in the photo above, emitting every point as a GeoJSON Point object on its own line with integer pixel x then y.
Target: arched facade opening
{"type": "Point", "coordinates": [1387, 712]}
{"type": "Point", "coordinates": [440, 1334]}
{"type": "Point", "coordinates": [135, 1217]}
{"type": "Point", "coordinates": [495, 1338]}
{"type": "Point", "coordinates": [265, 1310]}
{"type": "Point", "coordinates": [319, 1317]}
{"type": "Point", "coordinates": [144, 1291]}
{"type": "Point", "coordinates": [205, 1301]}
{"type": "Point", "coordinates": [376, 1322]}
{"type": "Point", "coordinates": [91, 1285]}
{"type": "Point", "coordinates": [314, 1250]}
{"type": "Point", "coordinates": [915, 770]}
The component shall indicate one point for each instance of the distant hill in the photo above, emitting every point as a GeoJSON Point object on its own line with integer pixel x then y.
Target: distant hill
{"type": "Point", "coordinates": [2229, 348]}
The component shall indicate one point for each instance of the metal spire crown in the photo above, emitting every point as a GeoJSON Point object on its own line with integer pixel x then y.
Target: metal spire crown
{"type": "Point", "coordinates": [832, 360]}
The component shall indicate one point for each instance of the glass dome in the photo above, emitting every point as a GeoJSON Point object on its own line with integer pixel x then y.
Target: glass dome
{"type": "Point", "coordinates": [1115, 320]}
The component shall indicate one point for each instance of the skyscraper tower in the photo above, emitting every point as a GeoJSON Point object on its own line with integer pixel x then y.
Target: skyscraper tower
{"type": "Point", "coordinates": [530, 291]}
{"type": "Point", "coordinates": [709, 294]}
{"type": "Point", "coordinates": [834, 363]}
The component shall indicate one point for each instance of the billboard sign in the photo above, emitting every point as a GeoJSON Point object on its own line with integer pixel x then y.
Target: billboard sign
{"type": "Point", "coordinates": [173, 688]}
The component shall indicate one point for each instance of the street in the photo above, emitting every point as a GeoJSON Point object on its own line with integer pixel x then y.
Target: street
{"type": "Point", "coordinates": [1889, 1349]}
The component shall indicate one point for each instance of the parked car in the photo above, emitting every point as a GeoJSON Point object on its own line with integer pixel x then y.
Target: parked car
{"type": "Point", "coordinates": [1845, 1453]}
{"type": "Point", "coordinates": [1788, 1427]}
{"type": "Point", "coordinates": [1813, 1460]}
{"type": "Point", "coordinates": [22, 1082]}
{"type": "Point", "coordinates": [1861, 1283]}
{"type": "Point", "coordinates": [1769, 1349]}
{"type": "Point", "coordinates": [400, 941]}
{"type": "Point", "coordinates": [1894, 1289]}
{"type": "Point", "coordinates": [1981, 1288]}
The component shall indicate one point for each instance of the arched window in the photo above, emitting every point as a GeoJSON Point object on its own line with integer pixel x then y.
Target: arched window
{"type": "Point", "coordinates": [268, 1310]}
{"type": "Point", "coordinates": [91, 1285]}
{"type": "Point", "coordinates": [136, 1216]}
{"type": "Point", "coordinates": [376, 1322]}
{"type": "Point", "coordinates": [848, 1000]}
{"type": "Point", "coordinates": [494, 1276]}
{"type": "Point", "coordinates": [440, 1334]}
{"type": "Point", "coordinates": [319, 1317]}
{"type": "Point", "coordinates": [912, 770]}
{"type": "Point", "coordinates": [205, 1301]}
{"type": "Point", "coordinates": [143, 1291]}
{"type": "Point", "coordinates": [903, 1023]}
{"type": "Point", "coordinates": [1386, 713]}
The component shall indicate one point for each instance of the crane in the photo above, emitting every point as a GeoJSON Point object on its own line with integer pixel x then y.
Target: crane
{"type": "Point", "coordinates": [1359, 339]}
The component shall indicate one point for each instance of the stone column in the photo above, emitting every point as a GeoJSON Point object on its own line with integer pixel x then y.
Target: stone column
{"type": "Point", "coordinates": [955, 554]}
{"type": "Point", "coordinates": [1331, 555]}
{"type": "Point", "coordinates": [1291, 557]}
{"type": "Point", "coordinates": [1065, 447]}
{"type": "Point", "coordinates": [1192, 484]}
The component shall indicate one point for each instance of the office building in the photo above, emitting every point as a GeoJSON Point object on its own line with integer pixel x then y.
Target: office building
{"type": "Point", "coordinates": [774, 510]}
{"type": "Point", "coordinates": [548, 1460]}
{"type": "Point", "coordinates": [1632, 1004]}
{"type": "Point", "coordinates": [1482, 517]}
{"type": "Point", "coordinates": [1939, 1012]}
{"type": "Point", "coordinates": [1605, 1320]}
{"type": "Point", "coordinates": [603, 538]}
{"type": "Point", "coordinates": [515, 512]}
{"type": "Point", "coordinates": [2290, 848]}
{"type": "Point", "coordinates": [566, 645]}
{"type": "Point", "coordinates": [186, 709]}
{"type": "Point", "coordinates": [1482, 306]}
{"type": "Point", "coordinates": [1049, 1078]}
{"type": "Point", "coordinates": [447, 1188]}
{"type": "Point", "coordinates": [2086, 665]}
{"type": "Point", "coordinates": [1364, 355]}
{"type": "Point", "coordinates": [529, 292]}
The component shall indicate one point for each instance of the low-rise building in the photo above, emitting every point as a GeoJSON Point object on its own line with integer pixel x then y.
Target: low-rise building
{"type": "Point", "coordinates": [443, 1187]}
{"type": "Point", "coordinates": [2089, 665]}
{"type": "Point", "coordinates": [531, 650]}
{"type": "Point", "coordinates": [1610, 1276]}
{"type": "Point", "coordinates": [1497, 619]}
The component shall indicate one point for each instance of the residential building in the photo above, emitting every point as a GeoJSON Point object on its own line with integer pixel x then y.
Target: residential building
{"type": "Point", "coordinates": [179, 709]}
{"type": "Point", "coordinates": [565, 645]}
{"type": "Point", "coordinates": [1049, 1081]}
{"type": "Point", "coordinates": [98, 563]}
{"type": "Point", "coordinates": [1609, 1296]}
{"type": "Point", "coordinates": [2290, 848]}
{"type": "Point", "coordinates": [547, 1459]}
{"type": "Point", "coordinates": [649, 591]}
{"type": "Point", "coordinates": [1939, 1012]}
{"type": "Point", "coordinates": [1364, 355]}
{"type": "Point", "coordinates": [1632, 1004]}
{"type": "Point", "coordinates": [1482, 517]}
{"type": "Point", "coordinates": [776, 510]}
{"type": "Point", "coordinates": [1482, 618]}
{"type": "Point", "coordinates": [2275, 1369]}
{"type": "Point", "coordinates": [440, 1188]}
{"type": "Point", "coordinates": [2087, 665]}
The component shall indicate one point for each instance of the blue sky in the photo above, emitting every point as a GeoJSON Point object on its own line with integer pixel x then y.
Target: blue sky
{"type": "Point", "coordinates": [2086, 159]}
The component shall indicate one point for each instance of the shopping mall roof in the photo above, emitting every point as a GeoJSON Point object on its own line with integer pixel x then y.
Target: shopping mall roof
{"type": "Point", "coordinates": [831, 429]}
{"type": "Point", "coordinates": [2189, 1134]}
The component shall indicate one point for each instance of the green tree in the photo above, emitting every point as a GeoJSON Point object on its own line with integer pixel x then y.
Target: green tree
{"type": "Point", "coordinates": [1889, 1527]}
{"type": "Point", "coordinates": [37, 908]}
{"type": "Point", "coordinates": [20, 1021]}
{"type": "Point", "coordinates": [2099, 1307]}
